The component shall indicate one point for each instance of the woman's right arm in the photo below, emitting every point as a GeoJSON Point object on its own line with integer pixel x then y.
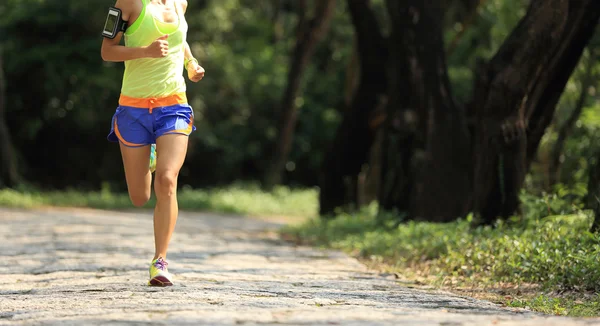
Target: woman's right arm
{"type": "Point", "coordinates": [114, 52]}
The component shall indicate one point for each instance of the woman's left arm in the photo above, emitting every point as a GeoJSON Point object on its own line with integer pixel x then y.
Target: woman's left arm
{"type": "Point", "coordinates": [195, 71]}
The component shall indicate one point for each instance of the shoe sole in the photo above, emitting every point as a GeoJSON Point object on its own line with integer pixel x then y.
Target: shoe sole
{"type": "Point", "coordinates": [160, 281]}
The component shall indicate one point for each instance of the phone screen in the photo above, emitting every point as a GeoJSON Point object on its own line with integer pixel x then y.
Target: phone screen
{"type": "Point", "coordinates": [111, 21]}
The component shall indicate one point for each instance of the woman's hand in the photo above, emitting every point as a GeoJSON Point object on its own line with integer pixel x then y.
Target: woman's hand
{"type": "Point", "coordinates": [158, 48]}
{"type": "Point", "coordinates": [195, 71]}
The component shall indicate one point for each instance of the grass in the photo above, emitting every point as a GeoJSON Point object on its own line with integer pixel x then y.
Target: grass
{"type": "Point", "coordinates": [563, 306]}
{"type": "Point", "coordinates": [550, 265]}
{"type": "Point", "coordinates": [237, 199]}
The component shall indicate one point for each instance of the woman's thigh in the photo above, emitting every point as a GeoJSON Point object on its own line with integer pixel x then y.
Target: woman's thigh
{"type": "Point", "coordinates": [136, 162]}
{"type": "Point", "coordinates": [171, 150]}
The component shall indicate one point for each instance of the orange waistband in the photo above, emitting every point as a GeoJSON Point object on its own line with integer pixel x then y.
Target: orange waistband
{"type": "Point", "coordinates": [150, 103]}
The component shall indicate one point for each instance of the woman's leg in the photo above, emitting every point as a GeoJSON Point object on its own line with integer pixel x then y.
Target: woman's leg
{"type": "Point", "coordinates": [172, 149]}
{"type": "Point", "coordinates": [137, 173]}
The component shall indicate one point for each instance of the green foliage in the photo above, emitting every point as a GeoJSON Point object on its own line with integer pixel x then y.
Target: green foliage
{"type": "Point", "coordinates": [59, 91]}
{"type": "Point", "coordinates": [246, 74]}
{"type": "Point", "coordinates": [238, 199]}
{"type": "Point", "coordinates": [564, 200]}
{"type": "Point", "coordinates": [237, 105]}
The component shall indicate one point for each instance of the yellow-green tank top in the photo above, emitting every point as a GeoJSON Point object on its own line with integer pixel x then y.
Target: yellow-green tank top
{"type": "Point", "coordinates": [155, 77]}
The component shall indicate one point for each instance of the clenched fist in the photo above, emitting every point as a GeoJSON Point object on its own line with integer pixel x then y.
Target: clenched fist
{"type": "Point", "coordinates": [195, 71]}
{"type": "Point", "coordinates": [158, 48]}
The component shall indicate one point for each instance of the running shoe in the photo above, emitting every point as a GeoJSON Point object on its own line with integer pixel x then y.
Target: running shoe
{"type": "Point", "coordinates": [159, 274]}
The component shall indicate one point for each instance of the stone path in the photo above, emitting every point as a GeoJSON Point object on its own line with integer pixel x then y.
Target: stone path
{"type": "Point", "coordinates": [89, 267]}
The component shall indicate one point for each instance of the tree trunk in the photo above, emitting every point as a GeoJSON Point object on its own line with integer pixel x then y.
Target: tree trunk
{"type": "Point", "coordinates": [426, 164]}
{"type": "Point", "coordinates": [352, 74]}
{"type": "Point", "coordinates": [309, 33]}
{"type": "Point", "coordinates": [582, 20]}
{"type": "Point", "coordinates": [350, 149]}
{"type": "Point", "coordinates": [565, 129]}
{"type": "Point", "coordinates": [8, 170]}
{"type": "Point", "coordinates": [501, 99]}
{"type": "Point", "coordinates": [370, 178]}
{"type": "Point", "coordinates": [516, 95]}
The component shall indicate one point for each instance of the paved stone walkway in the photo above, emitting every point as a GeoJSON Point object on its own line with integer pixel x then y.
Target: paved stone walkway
{"type": "Point", "coordinates": [89, 267]}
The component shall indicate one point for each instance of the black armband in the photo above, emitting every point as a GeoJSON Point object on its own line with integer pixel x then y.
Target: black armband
{"type": "Point", "coordinates": [114, 23]}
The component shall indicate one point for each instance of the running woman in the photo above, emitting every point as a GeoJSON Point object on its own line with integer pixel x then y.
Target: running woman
{"type": "Point", "coordinates": [153, 109]}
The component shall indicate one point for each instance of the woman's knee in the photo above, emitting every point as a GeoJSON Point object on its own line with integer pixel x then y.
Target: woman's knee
{"type": "Point", "coordinates": [165, 183]}
{"type": "Point", "coordinates": [139, 199]}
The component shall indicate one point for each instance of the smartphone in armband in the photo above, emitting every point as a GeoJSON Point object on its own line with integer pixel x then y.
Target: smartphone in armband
{"type": "Point", "coordinates": [114, 23]}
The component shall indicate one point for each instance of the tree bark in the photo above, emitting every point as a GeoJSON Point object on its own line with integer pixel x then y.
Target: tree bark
{"type": "Point", "coordinates": [582, 19]}
{"type": "Point", "coordinates": [516, 95]}
{"type": "Point", "coordinates": [352, 76]}
{"type": "Point", "coordinates": [501, 93]}
{"type": "Point", "coordinates": [8, 170]}
{"type": "Point", "coordinates": [567, 127]}
{"type": "Point", "coordinates": [309, 33]}
{"type": "Point", "coordinates": [426, 150]}
{"type": "Point", "coordinates": [350, 148]}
